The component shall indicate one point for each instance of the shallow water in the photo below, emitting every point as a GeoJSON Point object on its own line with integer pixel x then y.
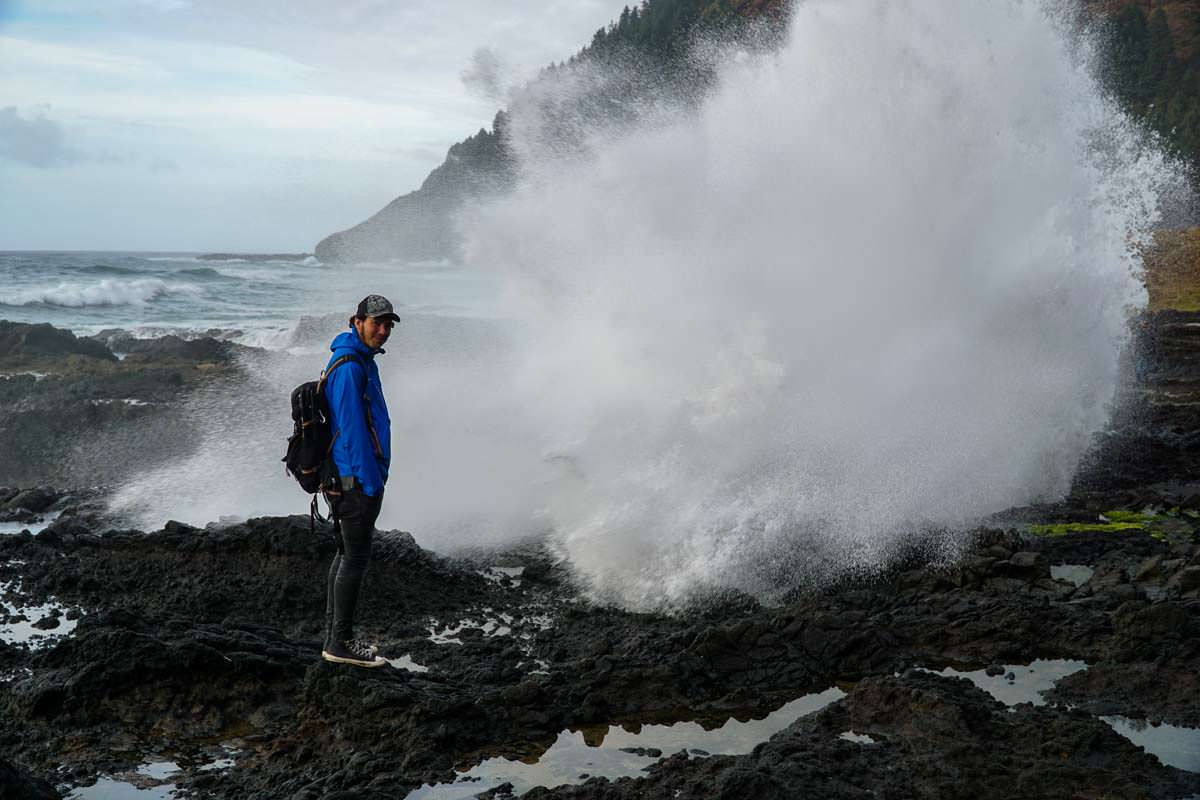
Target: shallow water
{"type": "Point", "coordinates": [1078, 574]}
{"type": "Point", "coordinates": [405, 662]}
{"type": "Point", "coordinates": [572, 756]}
{"type": "Point", "coordinates": [25, 632]}
{"type": "Point", "coordinates": [159, 770]}
{"type": "Point", "coordinates": [489, 627]}
{"type": "Point", "coordinates": [489, 622]}
{"type": "Point", "coordinates": [1026, 685]}
{"type": "Point", "coordinates": [112, 788]}
{"type": "Point", "coordinates": [10, 528]}
{"type": "Point", "coordinates": [1174, 746]}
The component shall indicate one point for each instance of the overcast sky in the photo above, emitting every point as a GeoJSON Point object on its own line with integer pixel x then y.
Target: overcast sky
{"type": "Point", "coordinates": [249, 125]}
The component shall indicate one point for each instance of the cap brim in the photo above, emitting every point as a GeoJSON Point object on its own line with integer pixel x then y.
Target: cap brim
{"type": "Point", "coordinates": [388, 315]}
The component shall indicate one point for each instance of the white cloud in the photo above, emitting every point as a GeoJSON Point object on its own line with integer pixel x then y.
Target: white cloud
{"type": "Point", "coordinates": [112, 8]}
{"type": "Point", "coordinates": [340, 106]}
{"type": "Point", "coordinates": [20, 55]}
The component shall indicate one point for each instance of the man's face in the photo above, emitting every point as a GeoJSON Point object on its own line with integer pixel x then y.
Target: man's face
{"type": "Point", "coordinates": [374, 331]}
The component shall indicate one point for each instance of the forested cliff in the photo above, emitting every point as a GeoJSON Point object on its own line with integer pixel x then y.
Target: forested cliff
{"type": "Point", "coordinates": [1153, 67]}
{"type": "Point", "coordinates": [1151, 63]}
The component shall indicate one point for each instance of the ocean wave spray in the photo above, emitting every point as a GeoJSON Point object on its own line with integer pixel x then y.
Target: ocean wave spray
{"type": "Point", "coordinates": [876, 283]}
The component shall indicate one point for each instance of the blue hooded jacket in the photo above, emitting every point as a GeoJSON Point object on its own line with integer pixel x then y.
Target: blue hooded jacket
{"type": "Point", "coordinates": [357, 450]}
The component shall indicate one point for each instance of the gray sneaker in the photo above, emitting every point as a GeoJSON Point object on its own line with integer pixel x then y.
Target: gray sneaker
{"type": "Point", "coordinates": [352, 652]}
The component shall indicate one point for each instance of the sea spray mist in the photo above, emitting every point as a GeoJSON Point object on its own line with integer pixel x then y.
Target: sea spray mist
{"type": "Point", "coordinates": [876, 282]}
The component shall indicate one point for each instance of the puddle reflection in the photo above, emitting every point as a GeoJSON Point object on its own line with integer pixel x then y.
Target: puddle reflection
{"type": "Point", "coordinates": [618, 752]}
{"type": "Point", "coordinates": [112, 789]}
{"type": "Point", "coordinates": [1174, 746]}
{"type": "Point", "coordinates": [1027, 682]}
{"type": "Point", "coordinates": [153, 775]}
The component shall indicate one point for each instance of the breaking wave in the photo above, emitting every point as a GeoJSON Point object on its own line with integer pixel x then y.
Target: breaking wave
{"type": "Point", "coordinates": [108, 292]}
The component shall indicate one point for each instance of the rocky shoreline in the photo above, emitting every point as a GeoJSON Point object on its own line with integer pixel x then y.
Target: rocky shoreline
{"type": "Point", "coordinates": [198, 647]}
{"type": "Point", "coordinates": [79, 411]}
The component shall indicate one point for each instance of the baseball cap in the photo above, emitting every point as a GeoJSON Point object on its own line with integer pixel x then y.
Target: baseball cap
{"type": "Point", "coordinates": [376, 305]}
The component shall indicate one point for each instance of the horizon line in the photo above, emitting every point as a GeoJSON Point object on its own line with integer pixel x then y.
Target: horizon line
{"type": "Point", "coordinates": [164, 252]}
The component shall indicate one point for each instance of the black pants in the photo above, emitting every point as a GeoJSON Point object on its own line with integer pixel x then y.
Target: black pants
{"type": "Point", "coordinates": [355, 513]}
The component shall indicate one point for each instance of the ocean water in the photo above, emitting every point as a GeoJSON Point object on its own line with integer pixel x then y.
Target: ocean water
{"type": "Point", "coordinates": [250, 301]}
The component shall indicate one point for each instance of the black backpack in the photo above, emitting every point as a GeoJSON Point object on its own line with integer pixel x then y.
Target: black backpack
{"type": "Point", "coordinates": [308, 447]}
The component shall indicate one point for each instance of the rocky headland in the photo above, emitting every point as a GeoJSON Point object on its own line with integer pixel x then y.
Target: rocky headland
{"type": "Point", "coordinates": [647, 58]}
{"type": "Point", "coordinates": [198, 647]}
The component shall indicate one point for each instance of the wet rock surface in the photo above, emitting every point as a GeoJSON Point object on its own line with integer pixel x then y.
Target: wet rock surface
{"type": "Point", "coordinates": [23, 343]}
{"type": "Point", "coordinates": [16, 783]}
{"type": "Point", "coordinates": [77, 414]}
{"type": "Point", "coordinates": [201, 646]}
{"type": "Point", "coordinates": [929, 737]}
{"type": "Point", "coordinates": [190, 636]}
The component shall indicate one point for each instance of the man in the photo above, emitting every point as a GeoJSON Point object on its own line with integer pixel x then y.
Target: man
{"type": "Point", "coordinates": [360, 454]}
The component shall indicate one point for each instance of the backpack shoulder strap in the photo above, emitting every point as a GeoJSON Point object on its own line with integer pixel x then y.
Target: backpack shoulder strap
{"type": "Point", "coordinates": [340, 360]}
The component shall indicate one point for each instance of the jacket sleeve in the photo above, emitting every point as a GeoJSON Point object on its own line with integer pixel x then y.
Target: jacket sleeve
{"type": "Point", "coordinates": [344, 393]}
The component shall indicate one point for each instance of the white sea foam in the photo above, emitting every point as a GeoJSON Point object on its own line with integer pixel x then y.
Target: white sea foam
{"type": "Point", "coordinates": [879, 281]}
{"type": "Point", "coordinates": [108, 292]}
{"type": "Point", "coordinates": [251, 332]}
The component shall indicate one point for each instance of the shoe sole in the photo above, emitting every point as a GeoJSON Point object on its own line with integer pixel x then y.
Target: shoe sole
{"type": "Point", "coordinates": [354, 662]}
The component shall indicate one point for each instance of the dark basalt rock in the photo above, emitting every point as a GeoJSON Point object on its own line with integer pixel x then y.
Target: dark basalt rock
{"type": "Point", "coordinates": [76, 415]}
{"type": "Point", "coordinates": [1152, 448]}
{"type": "Point", "coordinates": [16, 784]}
{"type": "Point", "coordinates": [188, 632]}
{"type": "Point", "coordinates": [34, 500]}
{"type": "Point", "coordinates": [22, 342]}
{"type": "Point", "coordinates": [171, 348]}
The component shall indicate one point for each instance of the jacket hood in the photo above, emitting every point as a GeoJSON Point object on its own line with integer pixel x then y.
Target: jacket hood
{"type": "Point", "coordinates": [348, 340]}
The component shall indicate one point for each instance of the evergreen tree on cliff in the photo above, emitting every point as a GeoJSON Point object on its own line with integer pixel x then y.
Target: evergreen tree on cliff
{"type": "Point", "coordinates": [1153, 77]}
{"type": "Point", "coordinates": [644, 56]}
